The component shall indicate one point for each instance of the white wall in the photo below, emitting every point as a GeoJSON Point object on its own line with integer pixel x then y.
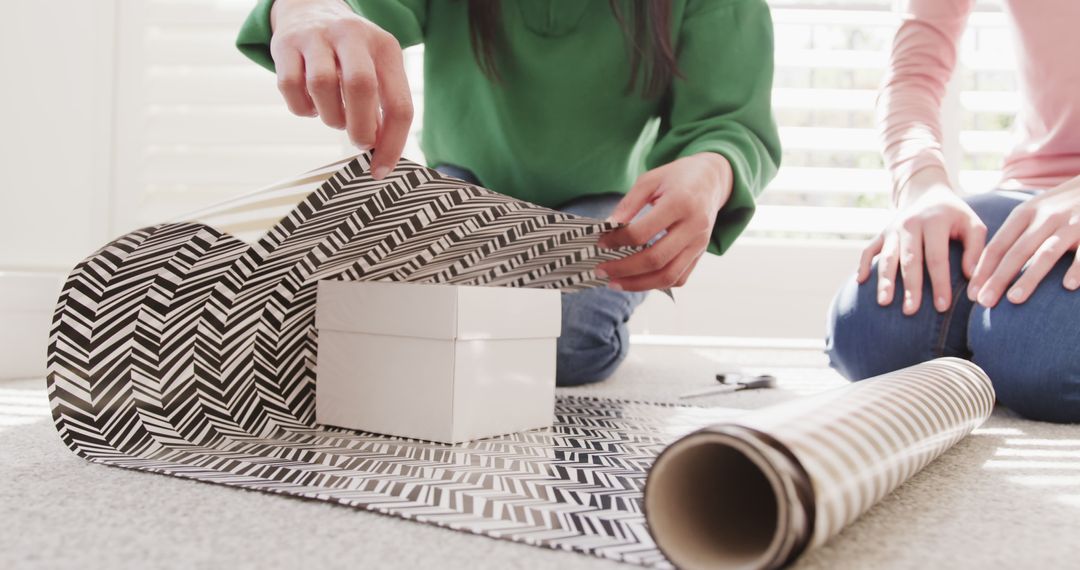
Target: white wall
{"type": "Point", "coordinates": [56, 113]}
{"type": "Point", "coordinates": [55, 160]}
{"type": "Point", "coordinates": [774, 291]}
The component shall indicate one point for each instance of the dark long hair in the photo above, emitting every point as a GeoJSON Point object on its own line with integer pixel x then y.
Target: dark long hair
{"type": "Point", "coordinates": [647, 30]}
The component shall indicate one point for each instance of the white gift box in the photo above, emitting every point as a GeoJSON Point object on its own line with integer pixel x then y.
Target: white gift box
{"type": "Point", "coordinates": [443, 363]}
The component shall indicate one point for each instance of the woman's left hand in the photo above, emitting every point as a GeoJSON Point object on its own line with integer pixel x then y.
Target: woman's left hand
{"type": "Point", "coordinates": [1037, 233]}
{"type": "Point", "coordinates": [686, 195]}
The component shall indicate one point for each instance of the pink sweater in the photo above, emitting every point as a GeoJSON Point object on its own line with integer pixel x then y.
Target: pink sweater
{"type": "Point", "coordinates": [1047, 149]}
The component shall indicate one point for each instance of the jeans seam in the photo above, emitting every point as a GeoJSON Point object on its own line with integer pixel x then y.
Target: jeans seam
{"type": "Point", "coordinates": [947, 318]}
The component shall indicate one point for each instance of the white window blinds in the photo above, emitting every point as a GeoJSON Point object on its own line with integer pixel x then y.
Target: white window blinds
{"type": "Point", "coordinates": [197, 122]}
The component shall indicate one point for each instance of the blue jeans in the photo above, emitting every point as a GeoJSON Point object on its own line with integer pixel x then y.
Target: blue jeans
{"type": "Point", "coordinates": [595, 338]}
{"type": "Point", "coordinates": [1030, 351]}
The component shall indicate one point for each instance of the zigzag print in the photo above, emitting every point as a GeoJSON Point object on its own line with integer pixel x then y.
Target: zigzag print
{"type": "Point", "coordinates": [180, 349]}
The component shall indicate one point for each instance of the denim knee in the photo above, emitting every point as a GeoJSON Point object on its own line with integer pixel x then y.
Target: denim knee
{"type": "Point", "coordinates": [865, 339]}
{"type": "Point", "coordinates": [594, 339]}
{"type": "Point", "coordinates": [1030, 353]}
{"type": "Point", "coordinates": [860, 342]}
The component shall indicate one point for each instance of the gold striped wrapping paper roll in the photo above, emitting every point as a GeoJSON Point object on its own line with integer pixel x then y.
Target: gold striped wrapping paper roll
{"type": "Point", "coordinates": [758, 491]}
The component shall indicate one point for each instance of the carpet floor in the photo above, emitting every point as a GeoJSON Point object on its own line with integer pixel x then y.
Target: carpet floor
{"type": "Point", "coordinates": [1006, 497]}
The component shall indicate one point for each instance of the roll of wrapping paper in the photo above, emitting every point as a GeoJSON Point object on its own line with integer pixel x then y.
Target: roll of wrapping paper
{"type": "Point", "coordinates": [758, 491]}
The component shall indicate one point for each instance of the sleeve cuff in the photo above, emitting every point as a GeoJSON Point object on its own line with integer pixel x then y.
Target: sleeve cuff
{"type": "Point", "coordinates": [735, 214]}
{"type": "Point", "coordinates": [254, 38]}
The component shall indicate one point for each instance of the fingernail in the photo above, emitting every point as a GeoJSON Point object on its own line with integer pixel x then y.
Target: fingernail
{"type": "Point", "coordinates": [985, 296]}
{"type": "Point", "coordinates": [614, 286]}
{"type": "Point", "coordinates": [942, 304]}
{"type": "Point", "coordinates": [882, 296]}
{"type": "Point", "coordinates": [601, 274]}
{"type": "Point", "coordinates": [909, 302]}
{"type": "Point", "coordinates": [1072, 284]}
{"type": "Point", "coordinates": [972, 292]}
{"type": "Point", "coordinates": [380, 172]}
{"type": "Point", "coordinates": [1015, 294]}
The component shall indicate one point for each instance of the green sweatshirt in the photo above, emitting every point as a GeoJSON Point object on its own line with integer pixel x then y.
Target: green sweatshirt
{"type": "Point", "coordinates": [560, 124]}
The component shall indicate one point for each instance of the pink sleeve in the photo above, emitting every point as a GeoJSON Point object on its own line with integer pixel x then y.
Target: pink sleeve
{"type": "Point", "coordinates": [909, 104]}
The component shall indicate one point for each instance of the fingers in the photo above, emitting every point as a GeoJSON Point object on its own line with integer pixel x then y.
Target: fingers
{"type": "Point", "coordinates": [378, 102]}
{"type": "Point", "coordinates": [291, 81]}
{"type": "Point", "coordinates": [345, 76]}
{"type": "Point", "coordinates": [974, 241]}
{"type": "Point", "coordinates": [348, 71]}
{"type": "Point", "coordinates": [643, 229]}
{"type": "Point", "coordinates": [936, 248]}
{"type": "Point", "coordinates": [911, 268]}
{"type": "Point", "coordinates": [359, 90]}
{"type": "Point", "coordinates": [648, 260]}
{"type": "Point", "coordinates": [666, 276]}
{"type": "Point", "coordinates": [640, 194]}
{"type": "Point", "coordinates": [396, 102]}
{"type": "Point", "coordinates": [1008, 267]}
{"type": "Point", "coordinates": [1044, 259]}
{"type": "Point", "coordinates": [320, 67]}
{"type": "Point", "coordinates": [914, 243]}
{"type": "Point", "coordinates": [887, 264]}
{"type": "Point", "coordinates": [866, 260]}
{"type": "Point", "coordinates": [1072, 276]}
{"type": "Point", "coordinates": [1010, 231]}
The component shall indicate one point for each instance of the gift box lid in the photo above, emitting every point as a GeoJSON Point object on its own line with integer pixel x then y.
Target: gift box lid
{"type": "Point", "coordinates": [438, 311]}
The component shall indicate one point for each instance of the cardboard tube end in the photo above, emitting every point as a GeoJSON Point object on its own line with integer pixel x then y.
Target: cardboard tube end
{"type": "Point", "coordinates": [712, 502]}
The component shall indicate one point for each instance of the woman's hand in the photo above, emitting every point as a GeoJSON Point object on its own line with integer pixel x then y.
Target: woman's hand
{"type": "Point", "coordinates": [1037, 233]}
{"type": "Point", "coordinates": [930, 215]}
{"type": "Point", "coordinates": [685, 195]}
{"type": "Point", "coordinates": [336, 65]}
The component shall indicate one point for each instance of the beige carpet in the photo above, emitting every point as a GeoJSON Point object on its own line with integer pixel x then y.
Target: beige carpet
{"type": "Point", "coordinates": [1006, 497]}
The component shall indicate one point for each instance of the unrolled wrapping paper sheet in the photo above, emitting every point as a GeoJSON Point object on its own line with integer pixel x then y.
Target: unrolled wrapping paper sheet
{"type": "Point", "coordinates": [184, 332]}
{"type": "Point", "coordinates": [758, 490]}
{"type": "Point", "coordinates": [187, 349]}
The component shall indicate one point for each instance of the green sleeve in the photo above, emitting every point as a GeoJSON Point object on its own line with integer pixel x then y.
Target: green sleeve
{"type": "Point", "coordinates": [403, 18]}
{"type": "Point", "coordinates": [723, 104]}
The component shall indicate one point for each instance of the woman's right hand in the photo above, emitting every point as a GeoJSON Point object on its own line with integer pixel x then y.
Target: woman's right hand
{"type": "Point", "coordinates": [334, 64]}
{"type": "Point", "coordinates": [930, 215]}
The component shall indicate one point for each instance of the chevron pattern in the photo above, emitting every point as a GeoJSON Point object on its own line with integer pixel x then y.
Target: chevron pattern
{"type": "Point", "coordinates": [185, 350]}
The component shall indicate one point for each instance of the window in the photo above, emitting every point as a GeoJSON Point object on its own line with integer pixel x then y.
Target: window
{"type": "Point", "coordinates": [204, 123]}
{"type": "Point", "coordinates": [198, 122]}
{"type": "Point", "coordinates": [830, 58]}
